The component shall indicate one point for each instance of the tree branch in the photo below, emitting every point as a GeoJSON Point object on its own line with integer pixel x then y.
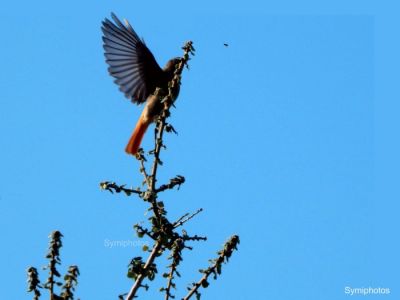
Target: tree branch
{"type": "Point", "coordinates": [34, 282]}
{"type": "Point", "coordinates": [151, 193]}
{"type": "Point", "coordinates": [113, 187]}
{"type": "Point", "coordinates": [54, 259]}
{"type": "Point", "coordinates": [176, 257]}
{"type": "Point", "coordinates": [215, 269]}
{"type": "Point", "coordinates": [176, 181]}
{"type": "Point", "coordinates": [182, 220]}
{"type": "Point", "coordinates": [139, 279]}
{"type": "Point", "coordinates": [140, 156]}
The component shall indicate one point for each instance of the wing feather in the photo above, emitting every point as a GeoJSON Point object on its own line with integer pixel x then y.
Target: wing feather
{"type": "Point", "coordinates": [131, 63]}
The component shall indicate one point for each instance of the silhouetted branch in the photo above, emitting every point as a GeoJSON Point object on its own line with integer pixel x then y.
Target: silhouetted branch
{"type": "Point", "coordinates": [70, 282]}
{"type": "Point", "coordinates": [70, 279]}
{"type": "Point", "coordinates": [140, 231]}
{"type": "Point", "coordinates": [54, 259]}
{"type": "Point", "coordinates": [144, 272]}
{"type": "Point", "coordinates": [140, 156]}
{"type": "Point", "coordinates": [176, 257]}
{"type": "Point", "coordinates": [216, 268]}
{"type": "Point", "coordinates": [186, 217]}
{"type": "Point", "coordinates": [176, 181]}
{"type": "Point", "coordinates": [162, 229]}
{"type": "Point", "coordinates": [113, 187]}
{"type": "Point", "coordinates": [194, 238]}
{"type": "Point", "coordinates": [34, 282]}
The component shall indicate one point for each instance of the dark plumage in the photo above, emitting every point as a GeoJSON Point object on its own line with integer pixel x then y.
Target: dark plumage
{"type": "Point", "coordinates": [131, 63]}
{"type": "Point", "coordinates": [136, 72]}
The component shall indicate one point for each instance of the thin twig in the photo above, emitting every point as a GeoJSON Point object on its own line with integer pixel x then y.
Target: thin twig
{"type": "Point", "coordinates": [194, 238]}
{"type": "Point", "coordinates": [156, 161]}
{"type": "Point", "coordinates": [182, 220]}
{"type": "Point", "coordinates": [176, 181]}
{"type": "Point", "coordinates": [141, 231]}
{"type": "Point", "coordinates": [215, 269]}
{"type": "Point", "coordinates": [113, 187]}
{"type": "Point", "coordinates": [143, 170]}
{"type": "Point", "coordinates": [179, 245]}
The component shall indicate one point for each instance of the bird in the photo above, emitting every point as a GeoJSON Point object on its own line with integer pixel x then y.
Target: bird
{"type": "Point", "coordinates": [137, 74]}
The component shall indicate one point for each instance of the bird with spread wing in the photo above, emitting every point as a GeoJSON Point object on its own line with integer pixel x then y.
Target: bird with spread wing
{"type": "Point", "coordinates": [137, 74]}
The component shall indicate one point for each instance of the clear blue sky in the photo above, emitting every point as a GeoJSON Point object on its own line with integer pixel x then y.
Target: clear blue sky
{"type": "Point", "coordinates": [288, 137]}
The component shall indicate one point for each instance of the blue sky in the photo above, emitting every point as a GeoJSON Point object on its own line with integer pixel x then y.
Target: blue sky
{"type": "Point", "coordinates": [288, 137]}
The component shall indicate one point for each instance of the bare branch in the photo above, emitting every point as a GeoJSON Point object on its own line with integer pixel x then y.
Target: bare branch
{"type": "Point", "coordinates": [182, 220]}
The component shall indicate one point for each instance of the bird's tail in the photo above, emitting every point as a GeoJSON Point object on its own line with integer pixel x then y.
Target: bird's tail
{"type": "Point", "coordinates": [137, 136]}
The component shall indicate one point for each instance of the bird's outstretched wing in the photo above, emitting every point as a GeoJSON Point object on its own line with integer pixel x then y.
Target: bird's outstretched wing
{"type": "Point", "coordinates": [131, 63]}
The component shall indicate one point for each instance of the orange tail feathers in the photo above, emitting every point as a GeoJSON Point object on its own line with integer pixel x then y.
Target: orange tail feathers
{"type": "Point", "coordinates": [137, 136]}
